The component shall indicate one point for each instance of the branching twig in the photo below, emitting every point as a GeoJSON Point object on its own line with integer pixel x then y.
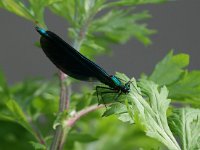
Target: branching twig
{"type": "Point", "coordinates": [71, 121]}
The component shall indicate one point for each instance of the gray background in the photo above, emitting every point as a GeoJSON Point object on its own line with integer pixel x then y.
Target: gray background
{"type": "Point", "coordinates": [178, 25]}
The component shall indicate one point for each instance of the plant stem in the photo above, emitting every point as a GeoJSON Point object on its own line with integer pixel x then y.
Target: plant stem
{"type": "Point", "coordinates": [71, 121]}
{"type": "Point", "coordinates": [63, 105]}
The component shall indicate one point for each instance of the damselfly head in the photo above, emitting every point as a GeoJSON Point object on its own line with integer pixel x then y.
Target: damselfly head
{"type": "Point", "coordinates": [126, 88]}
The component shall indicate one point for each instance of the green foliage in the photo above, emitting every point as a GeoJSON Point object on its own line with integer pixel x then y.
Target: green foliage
{"type": "Point", "coordinates": [150, 105]}
{"type": "Point", "coordinates": [90, 131]}
{"type": "Point", "coordinates": [26, 103]}
{"type": "Point", "coordinates": [91, 20]}
{"type": "Point", "coordinates": [110, 133]}
{"type": "Point", "coordinates": [169, 69]}
{"type": "Point", "coordinates": [187, 88]}
{"type": "Point", "coordinates": [152, 112]}
{"type": "Point", "coordinates": [32, 10]}
{"type": "Point", "coordinates": [13, 135]}
{"type": "Point", "coordinates": [28, 110]}
{"type": "Point", "coordinates": [17, 7]}
{"type": "Point", "coordinates": [186, 124]}
{"type": "Point", "coordinates": [183, 85]}
{"type": "Point", "coordinates": [120, 111]}
{"type": "Point", "coordinates": [120, 25]}
{"type": "Point", "coordinates": [16, 114]}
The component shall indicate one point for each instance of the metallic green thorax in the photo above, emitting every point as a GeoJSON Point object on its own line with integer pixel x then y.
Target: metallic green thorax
{"type": "Point", "coordinates": [116, 81]}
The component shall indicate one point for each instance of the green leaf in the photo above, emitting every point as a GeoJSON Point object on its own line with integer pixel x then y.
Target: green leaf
{"type": "Point", "coordinates": [133, 2]}
{"type": "Point", "coordinates": [38, 146]}
{"type": "Point", "coordinates": [169, 69]}
{"type": "Point", "coordinates": [117, 108]}
{"type": "Point", "coordinates": [184, 86]}
{"type": "Point", "coordinates": [120, 25]}
{"type": "Point", "coordinates": [147, 105]}
{"type": "Point", "coordinates": [33, 10]}
{"type": "Point", "coordinates": [150, 113]}
{"type": "Point", "coordinates": [187, 88]}
{"type": "Point", "coordinates": [36, 94]}
{"type": "Point", "coordinates": [186, 124]}
{"type": "Point", "coordinates": [90, 48]}
{"type": "Point", "coordinates": [120, 111]}
{"type": "Point", "coordinates": [17, 115]}
{"type": "Point", "coordinates": [37, 7]}
{"type": "Point", "coordinates": [17, 7]}
{"type": "Point", "coordinates": [69, 6]}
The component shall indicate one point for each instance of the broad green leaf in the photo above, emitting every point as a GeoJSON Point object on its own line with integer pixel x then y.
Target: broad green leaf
{"type": "Point", "coordinates": [170, 69]}
{"type": "Point", "coordinates": [186, 124]}
{"type": "Point", "coordinates": [187, 88]}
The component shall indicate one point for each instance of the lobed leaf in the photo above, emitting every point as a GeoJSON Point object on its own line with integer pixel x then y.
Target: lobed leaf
{"type": "Point", "coordinates": [184, 86]}
{"type": "Point", "coordinates": [186, 124]}
{"type": "Point", "coordinates": [187, 88]}
{"type": "Point", "coordinates": [146, 105]}
{"type": "Point", "coordinates": [152, 112]}
{"type": "Point", "coordinates": [116, 26]}
{"type": "Point", "coordinates": [120, 25]}
{"type": "Point", "coordinates": [169, 70]}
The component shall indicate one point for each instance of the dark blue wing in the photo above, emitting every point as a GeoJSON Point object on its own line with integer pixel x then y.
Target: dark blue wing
{"type": "Point", "coordinates": [69, 60]}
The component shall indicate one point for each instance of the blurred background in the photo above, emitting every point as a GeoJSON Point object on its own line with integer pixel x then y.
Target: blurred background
{"type": "Point", "coordinates": [177, 24]}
